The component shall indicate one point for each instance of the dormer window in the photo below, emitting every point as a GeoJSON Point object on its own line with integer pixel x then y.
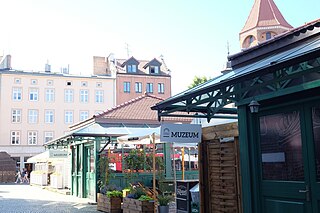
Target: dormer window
{"type": "Point", "coordinates": [131, 68]}
{"type": "Point", "coordinates": [268, 35]}
{"type": "Point", "coordinates": [154, 69]}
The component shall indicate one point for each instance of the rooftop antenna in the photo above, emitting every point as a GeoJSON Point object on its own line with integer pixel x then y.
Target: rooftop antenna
{"type": "Point", "coordinates": [128, 50]}
{"type": "Point", "coordinates": [228, 48]}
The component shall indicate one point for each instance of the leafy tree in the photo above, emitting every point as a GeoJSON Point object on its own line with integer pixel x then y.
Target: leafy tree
{"type": "Point", "coordinates": [198, 80]}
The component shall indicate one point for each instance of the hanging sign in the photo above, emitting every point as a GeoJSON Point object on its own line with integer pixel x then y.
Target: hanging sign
{"type": "Point", "coordinates": [58, 154]}
{"type": "Point", "coordinates": [180, 133]}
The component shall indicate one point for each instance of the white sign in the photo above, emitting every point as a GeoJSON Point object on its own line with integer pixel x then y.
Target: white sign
{"type": "Point", "coordinates": [58, 154]}
{"type": "Point", "coordinates": [180, 133]}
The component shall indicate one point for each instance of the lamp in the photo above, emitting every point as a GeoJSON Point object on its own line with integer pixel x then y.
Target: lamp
{"type": "Point", "coordinates": [254, 106]}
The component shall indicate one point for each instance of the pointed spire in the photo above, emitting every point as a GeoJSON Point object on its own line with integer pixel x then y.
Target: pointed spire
{"type": "Point", "coordinates": [265, 13]}
{"type": "Point", "coordinates": [264, 21]}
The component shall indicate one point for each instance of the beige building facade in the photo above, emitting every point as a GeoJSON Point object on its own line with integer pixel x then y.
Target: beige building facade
{"type": "Point", "coordinates": [36, 107]}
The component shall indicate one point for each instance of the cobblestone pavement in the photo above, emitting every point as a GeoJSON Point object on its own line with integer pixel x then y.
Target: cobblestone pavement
{"type": "Point", "coordinates": [21, 198]}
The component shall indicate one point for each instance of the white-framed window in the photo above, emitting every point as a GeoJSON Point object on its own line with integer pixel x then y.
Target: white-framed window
{"type": "Point", "coordinates": [49, 116]}
{"type": "Point", "coordinates": [48, 136]}
{"type": "Point", "coordinates": [149, 88]}
{"type": "Point", "coordinates": [33, 94]}
{"type": "Point", "coordinates": [32, 116]}
{"type": "Point", "coordinates": [84, 83]}
{"type": "Point", "coordinates": [17, 93]}
{"type": "Point", "coordinates": [68, 95]}
{"type": "Point", "coordinates": [99, 96]}
{"type": "Point", "coordinates": [126, 87]}
{"type": "Point", "coordinates": [49, 95]}
{"type": "Point", "coordinates": [132, 68]}
{"type": "Point", "coordinates": [99, 84]}
{"type": "Point", "coordinates": [98, 112]}
{"type": "Point", "coordinates": [84, 96]}
{"type": "Point", "coordinates": [138, 87]}
{"type": "Point", "coordinates": [34, 81]}
{"type": "Point", "coordinates": [15, 137]}
{"type": "Point", "coordinates": [32, 137]}
{"type": "Point", "coordinates": [161, 88]}
{"type": "Point", "coordinates": [17, 80]}
{"type": "Point", "coordinates": [84, 115]}
{"type": "Point", "coordinates": [68, 117]}
{"type": "Point", "coordinates": [16, 115]}
{"type": "Point", "coordinates": [154, 69]}
{"type": "Point", "coordinates": [50, 82]}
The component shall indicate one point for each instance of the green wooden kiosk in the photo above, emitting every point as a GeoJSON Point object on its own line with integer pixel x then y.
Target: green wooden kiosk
{"type": "Point", "coordinates": [275, 87]}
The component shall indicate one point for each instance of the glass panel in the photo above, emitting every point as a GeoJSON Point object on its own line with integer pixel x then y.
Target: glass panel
{"type": "Point", "coordinates": [316, 137]}
{"type": "Point", "coordinates": [281, 147]}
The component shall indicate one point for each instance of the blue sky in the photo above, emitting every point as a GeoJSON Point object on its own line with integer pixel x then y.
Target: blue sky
{"type": "Point", "coordinates": [192, 36]}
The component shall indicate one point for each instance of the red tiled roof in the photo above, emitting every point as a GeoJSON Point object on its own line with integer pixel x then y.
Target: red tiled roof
{"type": "Point", "coordinates": [265, 13]}
{"type": "Point", "coordinates": [138, 109]}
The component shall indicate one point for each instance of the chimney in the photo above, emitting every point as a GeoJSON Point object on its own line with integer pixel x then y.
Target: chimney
{"type": "Point", "coordinates": [47, 67]}
{"type": "Point", "coordinates": [5, 62]}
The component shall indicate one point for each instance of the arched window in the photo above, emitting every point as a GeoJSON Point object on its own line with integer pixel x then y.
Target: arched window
{"type": "Point", "coordinates": [251, 39]}
{"type": "Point", "coordinates": [268, 35]}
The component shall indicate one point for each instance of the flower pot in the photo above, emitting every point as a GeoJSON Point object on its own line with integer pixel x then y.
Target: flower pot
{"type": "Point", "coordinates": [163, 209]}
{"type": "Point", "coordinates": [134, 205]}
{"type": "Point", "coordinates": [105, 204]}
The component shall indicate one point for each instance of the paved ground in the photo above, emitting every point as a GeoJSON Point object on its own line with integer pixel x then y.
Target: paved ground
{"type": "Point", "coordinates": [21, 198]}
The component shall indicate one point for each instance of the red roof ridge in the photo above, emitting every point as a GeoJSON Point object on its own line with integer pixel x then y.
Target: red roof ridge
{"type": "Point", "coordinates": [128, 103]}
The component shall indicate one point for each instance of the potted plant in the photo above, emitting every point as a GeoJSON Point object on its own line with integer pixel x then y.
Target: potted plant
{"type": "Point", "coordinates": [109, 200]}
{"type": "Point", "coordinates": [138, 201]}
{"type": "Point", "coordinates": [163, 201]}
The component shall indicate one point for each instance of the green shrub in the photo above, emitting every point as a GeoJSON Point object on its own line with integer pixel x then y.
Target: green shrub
{"type": "Point", "coordinates": [114, 193]}
{"type": "Point", "coordinates": [145, 198]}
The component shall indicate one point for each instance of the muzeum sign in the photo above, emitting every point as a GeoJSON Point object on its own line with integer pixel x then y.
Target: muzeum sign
{"type": "Point", "coordinates": [180, 133]}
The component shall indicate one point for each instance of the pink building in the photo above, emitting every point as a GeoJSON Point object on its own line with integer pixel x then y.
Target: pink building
{"type": "Point", "coordinates": [135, 77]}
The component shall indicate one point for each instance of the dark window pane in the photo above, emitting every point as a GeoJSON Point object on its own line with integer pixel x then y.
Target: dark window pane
{"type": "Point", "coordinates": [281, 147]}
{"type": "Point", "coordinates": [316, 137]}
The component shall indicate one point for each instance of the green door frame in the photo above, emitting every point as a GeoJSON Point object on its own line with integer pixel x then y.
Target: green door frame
{"type": "Point", "coordinates": [250, 161]}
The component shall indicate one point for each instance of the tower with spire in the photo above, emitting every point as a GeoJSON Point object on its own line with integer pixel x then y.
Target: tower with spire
{"type": "Point", "coordinates": [264, 21]}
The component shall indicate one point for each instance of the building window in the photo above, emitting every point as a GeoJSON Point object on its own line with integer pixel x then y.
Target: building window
{"type": "Point", "coordinates": [16, 94]}
{"type": "Point", "coordinates": [34, 81]}
{"type": "Point", "coordinates": [149, 88]}
{"type": "Point", "coordinates": [68, 83]}
{"type": "Point", "coordinates": [99, 96]}
{"type": "Point", "coordinates": [68, 95]}
{"type": "Point", "coordinates": [32, 116]}
{"type": "Point", "coordinates": [68, 117]}
{"type": "Point", "coordinates": [154, 69]}
{"type": "Point", "coordinates": [251, 39]}
{"type": "Point", "coordinates": [126, 87]}
{"type": "Point", "coordinates": [15, 137]}
{"type": "Point", "coordinates": [50, 82]}
{"type": "Point", "coordinates": [17, 80]}
{"type": "Point", "coordinates": [98, 112]}
{"type": "Point", "coordinates": [48, 136]}
{"type": "Point", "coordinates": [98, 84]}
{"type": "Point", "coordinates": [49, 95]}
{"type": "Point", "coordinates": [49, 116]}
{"type": "Point", "coordinates": [160, 88]}
{"type": "Point", "coordinates": [16, 115]}
{"type": "Point", "coordinates": [138, 87]}
{"type": "Point", "coordinates": [84, 96]}
{"type": "Point", "coordinates": [32, 137]}
{"type": "Point", "coordinates": [33, 94]}
{"type": "Point", "coordinates": [84, 115]}
{"type": "Point", "coordinates": [84, 83]}
{"type": "Point", "coordinates": [268, 35]}
{"type": "Point", "coordinates": [132, 68]}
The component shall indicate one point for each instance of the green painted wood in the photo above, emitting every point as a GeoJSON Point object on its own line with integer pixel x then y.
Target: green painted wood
{"type": "Point", "coordinates": [281, 206]}
{"type": "Point", "coordinates": [245, 161]}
